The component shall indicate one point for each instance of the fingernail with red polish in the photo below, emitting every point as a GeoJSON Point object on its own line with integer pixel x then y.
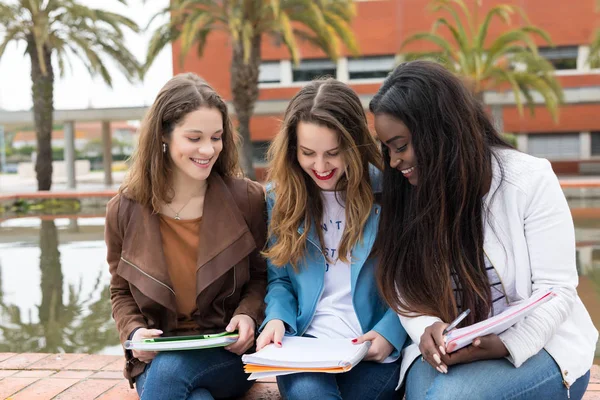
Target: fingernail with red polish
{"type": "Point", "coordinates": [354, 340]}
{"type": "Point", "coordinates": [279, 343]}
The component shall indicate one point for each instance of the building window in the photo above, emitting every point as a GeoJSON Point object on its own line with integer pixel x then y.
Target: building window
{"type": "Point", "coordinates": [595, 143]}
{"type": "Point", "coordinates": [311, 69]}
{"type": "Point", "coordinates": [259, 152]}
{"type": "Point", "coordinates": [564, 57]}
{"type": "Point", "coordinates": [370, 67]}
{"type": "Point", "coordinates": [564, 146]}
{"type": "Point", "coordinates": [269, 72]}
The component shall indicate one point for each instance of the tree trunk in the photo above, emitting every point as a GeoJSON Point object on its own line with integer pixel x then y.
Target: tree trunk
{"type": "Point", "coordinates": [244, 87]}
{"type": "Point", "coordinates": [42, 93]}
{"type": "Point", "coordinates": [51, 308]}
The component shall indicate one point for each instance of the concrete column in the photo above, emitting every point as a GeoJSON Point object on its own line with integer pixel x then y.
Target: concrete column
{"type": "Point", "coordinates": [585, 145]}
{"type": "Point", "coordinates": [498, 117]}
{"type": "Point", "coordinates": [107, 153]}
{"type": "Point", "coordinates": [522, 142]}
{"type": "Point", "coordinates": [582, 56]}
{"type": "Point", "coordinates": [69, 131]}
{"type": "Point", "coordinates": [286, 72]}
{"type": "Point", "coordinates": [343, 75]}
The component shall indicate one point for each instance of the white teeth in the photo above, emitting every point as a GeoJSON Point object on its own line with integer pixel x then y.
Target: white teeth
{"type": "Point", "coordinates": [200, 161]}
{"type": "Point", "coordinates": [407, 171]}
{"type": "Point", "coordinates": [324, 174]}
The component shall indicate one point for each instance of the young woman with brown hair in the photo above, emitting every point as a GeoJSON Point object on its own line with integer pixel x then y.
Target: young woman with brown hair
{"type": "Point", "coordinates": [470, 223]}
{"type": "Point", "coordinates": [184, 237]}
{"type": "Point", "coordinates": [322, 222]}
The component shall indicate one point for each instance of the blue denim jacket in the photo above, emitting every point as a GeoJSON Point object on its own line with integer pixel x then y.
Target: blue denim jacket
{"type": "Point", "coordinates": [292, 297]}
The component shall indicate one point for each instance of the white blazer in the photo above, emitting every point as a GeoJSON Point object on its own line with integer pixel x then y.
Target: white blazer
{"type": "Point", "coordinates": [530, 240]}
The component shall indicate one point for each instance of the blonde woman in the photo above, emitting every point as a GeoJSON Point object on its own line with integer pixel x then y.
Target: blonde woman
{"type": "Point", "coordinates": [322, 223]}
{"type": "Point", "coordinates": [184, 237]}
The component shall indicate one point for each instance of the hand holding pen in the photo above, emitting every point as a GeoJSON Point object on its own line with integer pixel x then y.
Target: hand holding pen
{"type": "Point", "coordinates": [457, 321]}
{"type": "Point", "coordinates": [432, 342]}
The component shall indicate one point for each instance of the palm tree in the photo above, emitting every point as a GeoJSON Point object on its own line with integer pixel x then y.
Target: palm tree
{"type": "Point", "coordinates": [78, 325]}
{"type": "Point", "coordinates": [59, 28]}
{"type": "Point", "coordinates": [321, 23]}
{"type": "Point", "coordinates": [510, 59]}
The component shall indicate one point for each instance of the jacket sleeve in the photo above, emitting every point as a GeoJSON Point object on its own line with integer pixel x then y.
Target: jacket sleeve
{"type": "Point", "coordinates": [390, 328]}
{"type": "Point", "coordinates": [550, 236]}
{"type": "Point", "coordinates": [281, 298]}
{"type": "Point", "coordinates": [125, 310]}
{"type": "Point", "coordinates": [252, 303]}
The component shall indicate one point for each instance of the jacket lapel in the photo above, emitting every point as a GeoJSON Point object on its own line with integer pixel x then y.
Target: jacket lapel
{"type": "Point", "coordinates": [225, 238]}
{"type": "Point", "coordinates": [143, 261]}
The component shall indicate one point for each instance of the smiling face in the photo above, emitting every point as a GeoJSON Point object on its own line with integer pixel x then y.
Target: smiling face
{"type": "Point", "coordinates": [319, 154]}
{"type": "Point", "coordinates": [196, 143]}
{"type": "Point", "coordinates": [395, 135]}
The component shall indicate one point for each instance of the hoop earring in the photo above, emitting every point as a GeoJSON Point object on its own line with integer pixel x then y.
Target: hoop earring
{"type": "Point", "coordinates": [164, 147]}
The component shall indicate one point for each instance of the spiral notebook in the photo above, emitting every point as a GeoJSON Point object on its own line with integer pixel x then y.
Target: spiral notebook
{"type": "Point", "coordinates": [497, 324]}
{"type": "Point", "coordinates": [301, 354]}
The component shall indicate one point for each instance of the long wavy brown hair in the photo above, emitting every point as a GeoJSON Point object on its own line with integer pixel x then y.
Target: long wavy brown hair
{"type": "Point", "coordinates": [149, 179]}
{"type": "Point", "coordinates": [433, 231]}
{"type": "Point", "coordinates": [332, 104]}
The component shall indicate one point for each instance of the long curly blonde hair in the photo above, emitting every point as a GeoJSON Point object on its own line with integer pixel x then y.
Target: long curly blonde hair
{"type": "Point", "coordinates": [332, 104]}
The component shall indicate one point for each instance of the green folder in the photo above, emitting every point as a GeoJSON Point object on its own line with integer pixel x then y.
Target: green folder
{"type": "Point", "coordinates": [174, 343]}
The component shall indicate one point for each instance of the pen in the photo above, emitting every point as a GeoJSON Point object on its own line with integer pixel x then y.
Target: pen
{"type": "Point", "coordinates": [457, 321]}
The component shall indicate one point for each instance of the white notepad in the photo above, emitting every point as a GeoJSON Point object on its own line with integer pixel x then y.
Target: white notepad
{"type": "Point", "coordinates": [499, 323]}
{"type": "Point", "coordinates": [301, 354]}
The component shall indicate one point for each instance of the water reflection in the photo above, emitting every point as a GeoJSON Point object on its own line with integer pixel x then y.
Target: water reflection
{"type": "Point", "coordinates": [72, 322]}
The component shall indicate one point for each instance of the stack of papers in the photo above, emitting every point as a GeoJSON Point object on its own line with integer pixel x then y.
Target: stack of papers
{"type": "Point", "coordinates": [173, 343]}
{"type": "Point", "coordinates": [499, 323]}
{"type": "Point", "coordinates": [301, 354]}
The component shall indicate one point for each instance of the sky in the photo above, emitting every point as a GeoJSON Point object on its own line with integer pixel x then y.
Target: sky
{"type": "Point", "coordinates": [77, 89]}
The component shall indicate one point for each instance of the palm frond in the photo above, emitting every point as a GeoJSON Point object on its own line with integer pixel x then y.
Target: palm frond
{"type": "Point", "coordinates": [164, 35]}
{"type": "Point", "coordinates": [502, 11]}
{"type": "Point", "coordinates": [594, 57]}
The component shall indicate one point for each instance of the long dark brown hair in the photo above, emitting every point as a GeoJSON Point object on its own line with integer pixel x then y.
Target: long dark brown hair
{"type": "Point", "coordinates": [149, 179]}
{"type": "Point", "coordinates": [332, 104]}
{"type": "Point", "coordinates": [432, 231]}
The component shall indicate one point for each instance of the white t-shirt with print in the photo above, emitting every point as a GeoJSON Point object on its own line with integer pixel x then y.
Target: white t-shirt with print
{"type": "Point", "coordinates": [334, 317]}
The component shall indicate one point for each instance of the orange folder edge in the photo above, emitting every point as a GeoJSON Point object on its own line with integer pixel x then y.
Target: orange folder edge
{"type": "Point", "coordinates": [250, 368]}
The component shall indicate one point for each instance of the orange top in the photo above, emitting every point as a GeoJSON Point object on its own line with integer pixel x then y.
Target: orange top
{"type": "Point", "coordinates": [180, 240]}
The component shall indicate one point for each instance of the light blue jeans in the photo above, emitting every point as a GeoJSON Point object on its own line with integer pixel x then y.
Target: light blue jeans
{"type": "Point", "coordinates": [193, 375]}
{"type": "Point", "coordinates": [538, 378]}
{"type": "Point", "coordinates": [367, 381]}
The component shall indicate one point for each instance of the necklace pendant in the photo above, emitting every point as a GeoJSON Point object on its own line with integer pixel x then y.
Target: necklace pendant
{"type": "Point", "coordinates": [177, 217]}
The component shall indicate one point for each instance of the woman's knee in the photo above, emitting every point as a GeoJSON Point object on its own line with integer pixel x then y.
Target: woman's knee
{"type": "Point", "coordinates": [307, 386]}
{"type": "Point", "coordinates": [169, 367]}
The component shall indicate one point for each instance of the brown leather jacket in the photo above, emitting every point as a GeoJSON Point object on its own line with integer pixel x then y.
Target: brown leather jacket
{"type": "Point", "coordinates": [231, 275]}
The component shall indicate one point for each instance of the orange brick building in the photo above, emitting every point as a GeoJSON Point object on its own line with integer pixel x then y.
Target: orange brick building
{"type": "Point", "coordinates": [572, 144]}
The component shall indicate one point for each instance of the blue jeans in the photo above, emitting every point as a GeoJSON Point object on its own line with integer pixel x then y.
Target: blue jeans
{"type": "Point", "coordinates": [368, 380]}
{"type": "Point", "coordinates": [538, 378]}
{"type": "Point", "coordinates": [193, 375]}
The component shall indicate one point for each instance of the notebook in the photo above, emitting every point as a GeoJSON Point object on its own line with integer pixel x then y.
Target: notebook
{"type": "Point", "coordinates": [173, 343]}
{"type": "Point", "coordinates": [301, 354]}
{"type": "Point", "coordinates": [497, 324]}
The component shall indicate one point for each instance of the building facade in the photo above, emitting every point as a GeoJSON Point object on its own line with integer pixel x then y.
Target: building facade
{"type": "Point", "coordinates": [572, 144]}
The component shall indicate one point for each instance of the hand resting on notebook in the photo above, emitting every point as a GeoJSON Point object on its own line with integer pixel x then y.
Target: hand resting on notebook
{"type": "Point", "coordinates": [433, 349]}
{"type": "Point", "coordinates": [245, 325]}
{"type": "Point", "coordinates": [380, 348]}
{"type": "Point", "coordinates": [143, 333]}
{"type": "Point", "coordinates": [272, 333]}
